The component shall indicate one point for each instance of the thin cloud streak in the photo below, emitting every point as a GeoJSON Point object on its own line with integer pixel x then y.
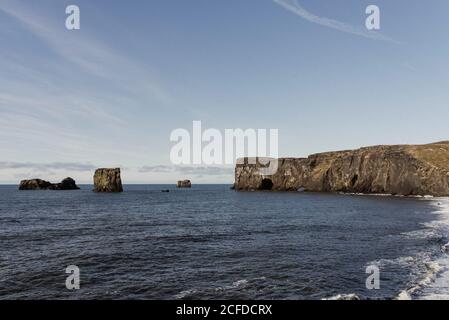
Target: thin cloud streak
{"type": "Point", "coordinates": [43, 105]}
{"type": "Point", "coordinates": [89, 54]}
{"type": "Point", "coordinates": [68, 166]}
{"type": "Point", "coordinates": [294, 7]}
{"type": "Point", "coordinates": [189, 170]}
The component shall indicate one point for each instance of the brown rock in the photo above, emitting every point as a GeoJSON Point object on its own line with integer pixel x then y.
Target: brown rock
{"type": "Point", "coordinates": [107, 180]}
{"type": "Point", "coordinates": [38, 184]}
{"type": "Point", "coordinates": [400, 170]}
{"type": "Point", "coordinates": [184, 184]}
{"type": "Point", "coordinates": [34, 184]}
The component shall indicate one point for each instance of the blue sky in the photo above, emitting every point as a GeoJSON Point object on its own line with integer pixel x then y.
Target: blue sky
{"type": "Point", "coordinates": [111, 93]}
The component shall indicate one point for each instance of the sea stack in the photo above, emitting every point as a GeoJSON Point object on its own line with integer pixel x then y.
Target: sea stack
{"type": "Point", "coordinates": [39, 184]}
{"type": "Point", "coordinates": [184, 184]}
{"type": "Point", "coordinates": [66, 184]}
{"type": "Point", "coordinates": [409, 170]}
{"type": "Point", "coordinates": [107, 180]}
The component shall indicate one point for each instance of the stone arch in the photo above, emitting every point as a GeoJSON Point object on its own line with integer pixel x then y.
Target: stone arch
{"type": "Point", "coordinates": [266, 184]}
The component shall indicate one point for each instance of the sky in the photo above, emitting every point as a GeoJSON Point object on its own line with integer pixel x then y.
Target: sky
{"type": "Point", "coordinates": [110, 94]}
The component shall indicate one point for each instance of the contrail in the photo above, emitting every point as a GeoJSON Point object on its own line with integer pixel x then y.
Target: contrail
{"type": "Point", "coordinates": [296, 8]}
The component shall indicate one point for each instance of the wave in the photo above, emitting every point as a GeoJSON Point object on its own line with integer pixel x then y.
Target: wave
{"type": "Point", "coordinates": [423, 270]}
{"type": "Point", "coordinates": [386, 195]}
{"type": "Point", "coordinates": [351, 296]}
{"type": "Point", "coordinates": [430, 269]}
{"type": "Point", "coordinates": [184, 294]}
{"type": "Point", "coordinates": [433, 269]}
{"type": "Point", "coordinates": [239, 284]}
{"type": "Point", "coordinates": [439, 288]}
{"type": "Point", "coordinates": [434, 284]}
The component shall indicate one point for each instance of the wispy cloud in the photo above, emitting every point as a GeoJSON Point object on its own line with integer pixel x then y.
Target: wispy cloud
{"type": "Point", "coordinates": [66, 166]}
{"type": "Point", "coordinates": [77, 98]}
{"type": "Point", "coordinates": [294, 7]}
{"type": "Point", "coordinates": [87, 53]}
{"type": "Point", "coordinates": [198, 171]}
{"type": "Point", "coordinates": [409, 66]}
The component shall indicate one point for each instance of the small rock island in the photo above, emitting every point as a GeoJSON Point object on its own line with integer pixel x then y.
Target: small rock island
{"type": "Point", "coordinates": [409, 170]}
{"type": "Point", "coordinates": [184, 184]}
{"type": "Point", "coordinates": [39, 184]}
{"type": "Point", "coordinates": [108, 180]}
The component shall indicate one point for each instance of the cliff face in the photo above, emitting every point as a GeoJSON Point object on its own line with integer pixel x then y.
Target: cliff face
{"type": "Point", "coordinates": [108, 180]}
{"type": "Point", "coordinates": [401, 170]}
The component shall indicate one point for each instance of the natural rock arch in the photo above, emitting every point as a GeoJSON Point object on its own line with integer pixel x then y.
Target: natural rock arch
{"type": "Point", "coordinates": [266, 184]}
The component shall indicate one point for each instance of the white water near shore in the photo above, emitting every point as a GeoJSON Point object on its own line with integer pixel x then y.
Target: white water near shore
{"type": "Point", "coordinates": [434, 284]}
{"type": "Point", "coordinates": [436, 287]}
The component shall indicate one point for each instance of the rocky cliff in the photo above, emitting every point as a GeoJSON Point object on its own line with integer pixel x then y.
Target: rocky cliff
{"type": "Point", "coordinates": [399, 170]}
{"type": "Point", "coordinates": [38, 184]}
{"type": "Point", "coordinates": [107, 180]}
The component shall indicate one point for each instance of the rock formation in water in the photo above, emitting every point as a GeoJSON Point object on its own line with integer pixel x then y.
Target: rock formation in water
{"type": "Point", "coordinates": [399, 170]}
{"type": "Point", "coordinates": [66, 184]}
{"type": "Point", "coordinates": [38, 184]}
{"type": "Point", "coordinates": [184, 184]}
{"type": "Point", "coordinates": [107, 180]}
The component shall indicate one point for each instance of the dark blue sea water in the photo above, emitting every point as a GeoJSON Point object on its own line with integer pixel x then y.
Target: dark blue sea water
{"type": "Point", "coordinates": [210, 242]}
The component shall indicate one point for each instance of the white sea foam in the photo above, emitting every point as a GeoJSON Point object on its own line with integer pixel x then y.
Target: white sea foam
{"type": "Point", "coordinates": [412, 263]}
{"type": "Point", "coordinates": [435, 284]}
{"type": "Point", "coordinates": [404, 295]}
{"type": "Point", "coordinates": [437, 287]}
{"type": "Point", "coordinates": [366, 194]}
{"type": "Point", "coordinates": [239, 284]}
{"type": "Point", "coordinates": [433, 275]}
{"type": "Point", "coordinates": [235, 285]}
{"type": "Point", "coordinates": [402, 261]}
{"type": "Point", "coordinates": [445, 248]}
{"type": "Point", "coordinates": [385, 195]}
{"type": "Point", "coordinates": [433, 268]}
{"type": "Point", "coordinates": [351, 296]}
{"type": "Point", "coordinates": [185, 293]}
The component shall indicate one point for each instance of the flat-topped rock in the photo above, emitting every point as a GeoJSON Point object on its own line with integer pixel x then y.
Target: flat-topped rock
{"type": "Point", "coordinates": [108, 180]}
{"type": "Point", "coordinates": [39, 184]}
{"type": "Point", "coordinates": [184, 184]}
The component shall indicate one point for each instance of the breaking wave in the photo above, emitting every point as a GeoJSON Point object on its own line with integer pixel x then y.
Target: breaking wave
{"type": "Point", "coordinates": [433, 284]}
{"type": "Point", "coordinates": [236, 285]}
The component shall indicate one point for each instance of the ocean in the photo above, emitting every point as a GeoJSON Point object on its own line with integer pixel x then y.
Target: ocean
{"type": "Point", "coordinates": [210, 242]}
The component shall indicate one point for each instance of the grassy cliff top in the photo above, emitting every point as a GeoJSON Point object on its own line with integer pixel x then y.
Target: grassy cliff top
{"type": "Point", "coordinates": [436, 154]}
